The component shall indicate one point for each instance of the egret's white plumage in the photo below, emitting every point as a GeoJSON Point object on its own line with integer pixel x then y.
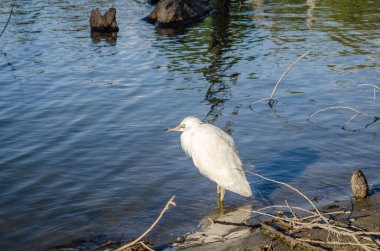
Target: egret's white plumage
{"type": "Point", "coordinates": [215, 155]}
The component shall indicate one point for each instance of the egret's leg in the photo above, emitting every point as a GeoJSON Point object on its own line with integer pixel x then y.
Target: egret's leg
{"type": "Point", "coordinates": [220, 194]}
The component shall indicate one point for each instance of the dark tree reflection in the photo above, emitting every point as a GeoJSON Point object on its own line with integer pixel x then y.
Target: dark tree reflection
{"type": "Point", "coordinates": [218, 91]}
{"type": "Point", "coordinates": [217, 73]}
{"type": "Point", "coordinates": [212, 49]}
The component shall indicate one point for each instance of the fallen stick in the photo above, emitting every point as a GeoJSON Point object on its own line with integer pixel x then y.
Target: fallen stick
{"type": "Point", "coordinates": [167, 206]}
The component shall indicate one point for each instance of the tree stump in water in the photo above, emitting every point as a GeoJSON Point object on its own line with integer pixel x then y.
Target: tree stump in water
{"type": "Point", "coordinates": [359, 185]}
{"type": "Point", "coordinates": [106, 23]}
{"type": "Point", "coordinates": [175, 13]}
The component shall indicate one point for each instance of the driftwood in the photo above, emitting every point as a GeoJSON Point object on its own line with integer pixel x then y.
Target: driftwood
{"type": "Point", "coordinates": [106, 23]}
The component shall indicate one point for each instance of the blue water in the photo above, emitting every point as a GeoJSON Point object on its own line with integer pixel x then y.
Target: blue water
{"type": "Point", "coordinates": [83, 154]}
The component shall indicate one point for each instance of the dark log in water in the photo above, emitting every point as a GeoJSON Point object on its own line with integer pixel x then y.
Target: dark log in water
{"type": "Point", "coordinates": [106, 23]}
{"type": "Point", "coordinates": [153, 2]}
{"type": "Point", "coordinates": [175, 13]}
{"type": "Point", "coordinates": [359, 185]}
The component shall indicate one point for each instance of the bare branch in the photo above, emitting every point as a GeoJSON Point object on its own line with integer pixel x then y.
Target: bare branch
{"type": "Point", "coordinates": [291, 210]}
{"type": "Point", "coordinates": [145, 246]}
{"type": "Point", "coordinates": [284, 74]}
{"type": "Point", "coordinates": [357, 112]}
{"type": "Point", "coordinates": [168, 204]}
{"type": "Point", "coordinates": [261, 100]}
{"type": "Point", "coordinates": [375, 89]}
{"type": "Point", "coordinates": [299, 192]}
{"type": "Point", "coordinates": [342, 107]}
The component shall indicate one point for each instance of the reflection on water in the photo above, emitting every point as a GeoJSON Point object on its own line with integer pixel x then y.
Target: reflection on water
{"type": "Point", "coordinates": [109, 37]}
{"type": "Point", "coordinates": [218, 91]}
{"type": "Point", "coordinates": [83, 155]}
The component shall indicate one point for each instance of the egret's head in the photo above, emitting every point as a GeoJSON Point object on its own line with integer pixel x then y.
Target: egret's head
{"type": "Point", "coordinates": [186, 124]}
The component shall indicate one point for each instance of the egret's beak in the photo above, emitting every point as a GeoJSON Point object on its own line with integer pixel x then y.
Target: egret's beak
{"type": "Point", "coordinates": [178, 128]}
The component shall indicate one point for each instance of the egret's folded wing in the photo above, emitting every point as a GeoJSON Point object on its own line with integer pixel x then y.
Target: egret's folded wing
{"type": "Point", "coordinates": [215, 155]}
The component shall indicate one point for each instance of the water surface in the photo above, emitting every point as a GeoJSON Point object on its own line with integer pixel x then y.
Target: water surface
{"type": "Point", "coordinates": [83, 155]}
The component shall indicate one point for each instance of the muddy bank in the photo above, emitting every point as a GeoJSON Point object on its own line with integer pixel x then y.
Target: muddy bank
{"type": "Point", "coordinates": [231, 232]}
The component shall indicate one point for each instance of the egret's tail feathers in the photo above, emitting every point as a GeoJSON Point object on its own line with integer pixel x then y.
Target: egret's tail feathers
{"type": "Point", "coordinates": [243, 189]}
{"type": "Point", "coordinates": [246, 192]}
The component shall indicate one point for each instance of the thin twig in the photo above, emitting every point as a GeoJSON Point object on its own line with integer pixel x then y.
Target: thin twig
{"type": "Point", "coordinates": [168, 204]}
{"type": "Point", "coordinates": [295, 189]}
{"type": "Point", "coordinates": [357, 112]}
{"type": "Point", "coordinates": [145, 246]}
{"type": "Point", "coordinates": [9, 18]}
{"type": "Point", "coordinates": [371, 85]}
{"type": "Point", "coordinates": [291, 210]}
{"type": "Point", "coordinates": [284, 74]}
{"type": "Point", "coordinates": [102, 246]}
{"type": "Point", "coordinates": [348, 121]}
{"type": "Point", "coordinates": [261, 100]}
{"type": "Point", "coordinates": [342, 107]}
{"type": "Point", "coordinates": [284, 206]}
{"type": "Point", "coordinates": [329, 213]}
{"type": "Point", "coordinates": [375, 89]}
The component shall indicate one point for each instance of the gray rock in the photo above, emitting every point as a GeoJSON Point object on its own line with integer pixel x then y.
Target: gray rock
{"type": "Point", "coordinates": [359, 185]}
{"type": "Point", "coordinates": [174, 13]}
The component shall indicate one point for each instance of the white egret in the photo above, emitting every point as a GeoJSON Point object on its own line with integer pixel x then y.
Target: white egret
{"type": "Point", "coordinates": [215, 155]}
